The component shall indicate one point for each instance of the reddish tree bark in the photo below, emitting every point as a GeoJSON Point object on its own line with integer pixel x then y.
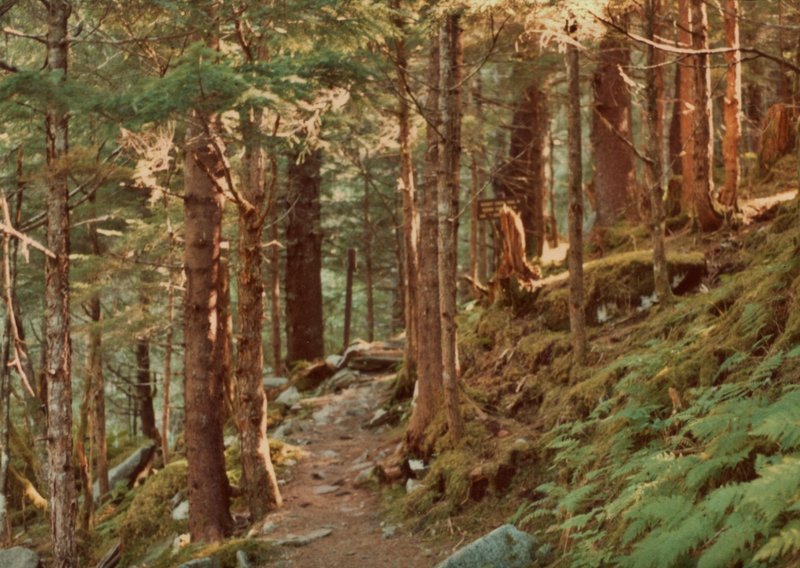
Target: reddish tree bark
{"type": "Point", "coordinates": [304, 327]}
{"type": "Point", "coordinates": [613, 158]}
{"type": "Point", "coordinates": [209, 516]}
{"type": "Point", "coordinates": [522, 176]}
{"type": "Point", "coordinates": [708, 217]}
{"type": "Point", "coordinates": [58, 346]}
{"type": "Point", "coordinates": [686, 102]}
{"type": "Point", "coordinates": [408, 191]}
{"type": "Point", "coordinates": [450, 158]}
{"type": "Point", "coordinates": [430, 391]}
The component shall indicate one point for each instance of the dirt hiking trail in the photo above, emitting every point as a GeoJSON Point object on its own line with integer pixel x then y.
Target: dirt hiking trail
{"type": "Point", "coordinates": [329, 519]}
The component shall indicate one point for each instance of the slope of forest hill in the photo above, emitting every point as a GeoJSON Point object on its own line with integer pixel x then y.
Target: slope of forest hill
{"type": "Point", "coordinates": [676, 444]}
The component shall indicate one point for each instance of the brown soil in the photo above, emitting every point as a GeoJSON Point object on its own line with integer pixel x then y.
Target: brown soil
{"type": "Point", "coordinates": [338, 447]}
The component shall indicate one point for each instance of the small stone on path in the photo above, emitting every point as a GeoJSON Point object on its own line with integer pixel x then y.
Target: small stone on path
{"type": "Point", "coordinates": [325, 489]}
{"type": "Point", "coordinates": [305, 539]}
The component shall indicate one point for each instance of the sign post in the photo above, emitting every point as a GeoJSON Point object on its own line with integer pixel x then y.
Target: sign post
{"type": "Point", "coordinates": [490, 208]}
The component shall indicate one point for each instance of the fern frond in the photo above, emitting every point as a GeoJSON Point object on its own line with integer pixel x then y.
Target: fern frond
{"type": "Point", "coordinates": [787, 541]}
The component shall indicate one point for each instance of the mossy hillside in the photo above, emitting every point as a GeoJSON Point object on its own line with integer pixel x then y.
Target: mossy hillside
{"type": "Point", "coordinates": [149, 518]}
{"type": "Point", "coordinates": [692, 454]}
{"type": "Point", "coordinates": [613, 286]}
{"type": "Point", "coordinates": [259, 553]}
{"type": "Point", "coordinates": [653, 378]}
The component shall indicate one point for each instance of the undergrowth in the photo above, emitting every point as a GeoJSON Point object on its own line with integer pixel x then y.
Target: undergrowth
{"type": "Point", "coordinates": [679, 443]}
{"type": "Point", "coordinates": [693, 458]}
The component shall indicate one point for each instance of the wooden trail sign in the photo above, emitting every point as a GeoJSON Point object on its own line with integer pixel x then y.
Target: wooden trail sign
{"type": "Point", "coordinates": [490, 208]}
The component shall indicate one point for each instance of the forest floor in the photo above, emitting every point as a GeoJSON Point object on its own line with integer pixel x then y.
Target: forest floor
{"type": "Point", "coordinates": [321, 492]}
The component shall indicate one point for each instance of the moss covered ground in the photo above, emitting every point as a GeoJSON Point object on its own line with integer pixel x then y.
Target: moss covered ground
{"type": "Point", "coordinates": [677, 403]}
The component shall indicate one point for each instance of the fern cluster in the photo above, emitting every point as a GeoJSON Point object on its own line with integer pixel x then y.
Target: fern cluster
{"type": "Point", "coordinates": [714, 484]}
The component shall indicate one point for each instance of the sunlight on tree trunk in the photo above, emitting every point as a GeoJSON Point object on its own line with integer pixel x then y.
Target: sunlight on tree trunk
{"type": "Point", "coordinates": [733, 97]}
{"type": "Point", "coordinates": [707, 215]}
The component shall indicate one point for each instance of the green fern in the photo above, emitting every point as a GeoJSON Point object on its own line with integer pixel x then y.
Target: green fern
{"type": "Point", "coordinates": [786, 542]}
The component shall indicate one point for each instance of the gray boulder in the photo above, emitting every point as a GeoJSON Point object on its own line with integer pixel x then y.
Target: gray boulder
{"type": "Point", "coordinates": [274, 382]}
{"type": "Point", "coordinates": [127, 471]}
{"type": "Point", "coordinates": [18, 557]}
{"type": "Point", "coordinates": [289, 397]}
{"type": "Point", "coordinates": [504, 547]}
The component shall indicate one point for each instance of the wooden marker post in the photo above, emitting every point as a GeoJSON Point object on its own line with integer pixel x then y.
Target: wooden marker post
{"type": "Point", "coordinates": [348, 302]}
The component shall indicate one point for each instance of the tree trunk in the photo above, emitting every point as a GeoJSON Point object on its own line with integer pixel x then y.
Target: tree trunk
{"type": "Point", "coordinates": [613, 158]}
{"type": "Point", "coordinates": [369, 283]}
{"type": "Point", "coordinates": [688, 112]}
{"type": "Point", "coordinates": [707, 215]}
{"type": "Point", "coordinates": [654, 92]}
{"type": "Point", "coordinates": [58, 346]}
{"type": "Point", "coordinates": [410, 217]}
{"type": "Point", "coordinates": [209, 517]}
{"type": "Point", "coordinates": [430, 391]}
{"type": "Point", "coordinates": [304, 326]}
{"type": "Point", "coordinates": [94, 373]}
{"type": "Point", "coordinates": [522, 176]}
{"type": "Point", "coordinates": [450, 157]}
{"type": "Point", "coordinates": [577, 319]}
{"type": "Point", "coordinates": [144, 389]}
{"type": "Point", "coordinates": [733, 97]}
{"type": "Point", "coordinates": [225, 343]}
{"type": "Point", "coordinates": [84, 462]}
{"type": "Point", "coordinates": [259, 483]}
{"type": "Point", "coordinates": [274, 280]}
{"type": "Point", "coordinates": [165, 411]}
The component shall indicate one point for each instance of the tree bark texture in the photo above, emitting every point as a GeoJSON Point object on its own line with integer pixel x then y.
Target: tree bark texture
{"type": "Point", "coordinates": [274, 280]}
{"type": "Point", "coordinates": [209, 517]}
{"type": "Point", "coordinates": [409, 194]}
{"type": "Point", "coordinates": [450, 158]}
{"type": "Point", "coordinates": [304, 326]}
{"type": "Point", "coordinates": [259, 483]}
{"type": "Point", "coordinates": [369, 274]}
{"type": "Point", "coordinates": [224, 344]}
{"type": "Point", "coordinates": [430, 391]}
{"type": "Point", "coordinates": [167, 384]}
{"type": "Point", "coordinates": [58, 346]}
{"type": "Point", "coordinates": [686, 102]}
{"type": "Point", "coordinates": [144, 389]}
{"type": "Point", "coordinates": [654, 92]}
{"type": "Point", "coordinates": [94, 373]}
{"type": "Point", "coordinates": [615, 198]}
{"type": "Point", "coordinates": [732, 112]}
{"type": "Point", "coordinates": [577, 318]}
{"type": "Point", "coordinates": [707, 216]}
{"type": "Point", "coordinates": [522, 176]}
